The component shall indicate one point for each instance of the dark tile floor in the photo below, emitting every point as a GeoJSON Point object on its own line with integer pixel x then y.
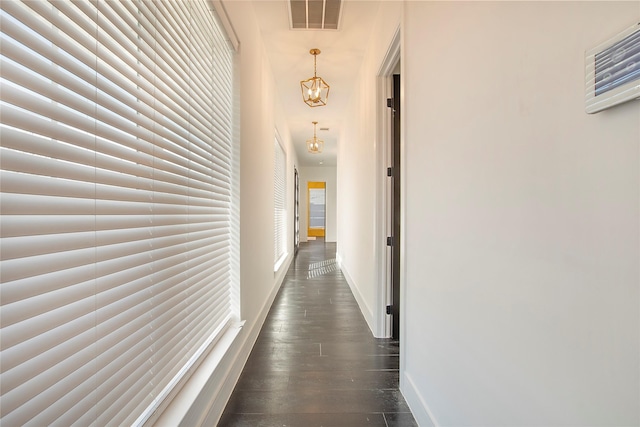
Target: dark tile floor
{"type": "Point", "coordinates": [315, 362]}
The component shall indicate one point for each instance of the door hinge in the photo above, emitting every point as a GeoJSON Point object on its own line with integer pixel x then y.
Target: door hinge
{"type": "Point", "coordinates": [389, 171]}
{"type": "Point", "coordinates": [389, 309]}
{"type": "Point", "coordinates": [390, 102]}
{"type": "Point", "coordinates": [390, 241]}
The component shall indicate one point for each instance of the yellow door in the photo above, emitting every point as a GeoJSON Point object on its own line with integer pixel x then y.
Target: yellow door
{"type": "Point", "coordinates": [316, 209]}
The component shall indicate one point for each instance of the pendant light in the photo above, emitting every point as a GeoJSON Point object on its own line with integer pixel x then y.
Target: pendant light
{"type": "Point", "coordinates": [315, 90]}
{"type": "Point", "coordinates": [315, 145]}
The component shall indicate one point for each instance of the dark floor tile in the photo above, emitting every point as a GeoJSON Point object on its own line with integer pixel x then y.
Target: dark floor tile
{"type": "Point", "coordinates": [300, 362]}
{"type": "Point", "coordinates": [266, 381]}
{"type": "Point", "coordinates": [302, 420]}
{"type": "Point", "coordinates": [303, 336]}
{"type": "Point", "coordinates": [400, 420]}
{"type": "Point", "coordinates": [316, 401]}
{"type": "Point", "coordinates": [359, 348]}
{"type": "Point", "coordinates": [270, 348]}
{"type": "Point", "coordinates": [344, 380]}
{"type": "Point", "coordinates": [337, 420]}
{"type": "Point", "coordinates": [254, 420]}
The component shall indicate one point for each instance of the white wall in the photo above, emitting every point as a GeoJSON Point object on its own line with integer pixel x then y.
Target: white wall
{"type": "Point", "coordinates": [521, 292]}
{"type": "Point", "coordinates": [259, 117]}
{"type": "Point", "coordinates": [357, 172]}
{"type": "Point", "coordinates": [318, 174]}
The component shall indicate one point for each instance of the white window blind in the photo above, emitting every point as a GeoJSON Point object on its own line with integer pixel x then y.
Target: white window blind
{"type": "Point", "coordinates": [279, 204]}
{"type": "Point", "coordinates": [115, 193]}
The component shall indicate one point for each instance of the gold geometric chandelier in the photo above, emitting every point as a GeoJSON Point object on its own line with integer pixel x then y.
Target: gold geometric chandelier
{"type": "Point", "coordinates": [315, 145]}
{"type": "Point", "coordinates": [315, 90]}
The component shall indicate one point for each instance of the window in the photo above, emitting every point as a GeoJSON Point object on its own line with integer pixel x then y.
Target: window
{"type": "Point", "coordinates": [279, 204]}
{"type": "Point", "coordinates": [116, 193]}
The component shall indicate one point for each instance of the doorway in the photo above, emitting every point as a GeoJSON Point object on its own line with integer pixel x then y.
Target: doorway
{"type": "Point", "coordinates": [395, 173]}
{"type": "Point", "coordinates": [316, 208]}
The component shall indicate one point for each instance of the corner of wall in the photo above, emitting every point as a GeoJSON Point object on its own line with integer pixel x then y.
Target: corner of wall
{"type": "Point", "coordinates": [417, 404]}
{"type": "Point", "coordinates": [364, 308]}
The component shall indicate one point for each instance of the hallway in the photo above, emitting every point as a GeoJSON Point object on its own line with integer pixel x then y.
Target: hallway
{"type": "Point", "coordinates": [315, 362]}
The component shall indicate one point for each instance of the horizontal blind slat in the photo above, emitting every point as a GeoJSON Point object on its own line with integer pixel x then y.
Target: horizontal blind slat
{"type": "Point", "coordinates": [31, 225]}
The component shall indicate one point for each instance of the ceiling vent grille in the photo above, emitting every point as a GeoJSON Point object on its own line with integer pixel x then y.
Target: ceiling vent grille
{"type": "Point", "coordinates": [315, 14]}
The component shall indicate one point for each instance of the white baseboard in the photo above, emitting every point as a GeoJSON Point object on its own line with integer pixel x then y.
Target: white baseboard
{"type": "Point", "coordinates": [417, 404]}
{"type": "Point", "coordinates": [364, 308]}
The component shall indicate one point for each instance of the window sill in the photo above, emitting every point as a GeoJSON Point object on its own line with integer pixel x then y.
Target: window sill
{"type": "Point", "coordinates": [184, 405]}
{"type": "Point", "coordinates": [279, 263]}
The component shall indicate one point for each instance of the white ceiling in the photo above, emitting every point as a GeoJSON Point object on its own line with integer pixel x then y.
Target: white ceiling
{"type": "Point", "coordinates": [338, 64]}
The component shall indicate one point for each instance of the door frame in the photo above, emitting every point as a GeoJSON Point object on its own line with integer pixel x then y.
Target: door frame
{"type": "Point", "coordinates": [382, 220]}
{"type": "Point", "coordinates": [316, 185]}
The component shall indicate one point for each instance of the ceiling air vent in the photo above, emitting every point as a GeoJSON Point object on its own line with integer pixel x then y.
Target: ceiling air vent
{"type": "Point", "coordinates": [315, 14]}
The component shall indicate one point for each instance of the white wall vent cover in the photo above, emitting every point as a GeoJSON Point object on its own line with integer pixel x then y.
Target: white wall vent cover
{"type": "Point", "coordinates": [613, 71]}
{"type": "Point", "coordinates": [314, 14]}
